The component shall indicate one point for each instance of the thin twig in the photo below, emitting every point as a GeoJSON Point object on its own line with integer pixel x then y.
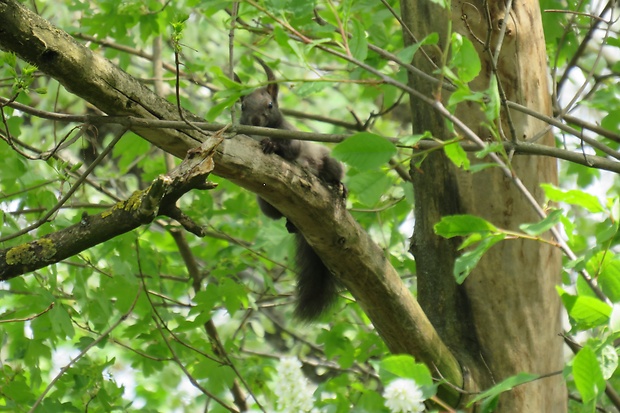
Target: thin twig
{"type": "Point", "coordinates": [527, 148]}
{"type": "Point", "coordinates": [210, 328]}
{"type": "Point", "coordinates": [86, 349]}
{"type": "Point", "coordinates": [161, 326]}
{"type": "Point", "coordinates": [494, 62]}
{"type": "Point", "coordinates": [582, 47]}
{"type": "Point", "coordinates": [231, 53]}
{"type": "Point", "coordinates": [69, 193]}
{"type": "Point", "coordinates": [32, 317]}
{"type": "Point", "coordinates": [591, 72]}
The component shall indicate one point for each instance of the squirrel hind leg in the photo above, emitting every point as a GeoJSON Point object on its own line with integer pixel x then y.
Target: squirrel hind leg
{"type": "Point", "coordinates": [317, 288]}
{"type": "Point", "coordinates": [331, 170]}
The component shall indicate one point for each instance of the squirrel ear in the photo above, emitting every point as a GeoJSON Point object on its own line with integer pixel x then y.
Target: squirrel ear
{"type": "Point", "coordinates": [270, 76]}
{"type": "Point", "coordinates": [272, 87]}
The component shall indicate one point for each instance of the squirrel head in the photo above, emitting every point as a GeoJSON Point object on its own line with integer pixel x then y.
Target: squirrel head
{"type": "Point", "coordinates": [260, 108]}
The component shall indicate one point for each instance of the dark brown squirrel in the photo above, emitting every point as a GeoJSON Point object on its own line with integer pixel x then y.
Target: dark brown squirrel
{"type": "Point", "coordinates": [317, 288]}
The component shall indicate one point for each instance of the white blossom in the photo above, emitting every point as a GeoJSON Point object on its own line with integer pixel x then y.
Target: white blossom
{"type": "Point", "coordinates": [614, 319]}
{"type": "Point", "coordinates": [404, 396]}
{"type": "Point", "coordinates": [292, 388]}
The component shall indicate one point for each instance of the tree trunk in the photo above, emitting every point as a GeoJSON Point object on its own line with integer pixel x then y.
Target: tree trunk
{"type": "Point", "coordinates": [505, 318]}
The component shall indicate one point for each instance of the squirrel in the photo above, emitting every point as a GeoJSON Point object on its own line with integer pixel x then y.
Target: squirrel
{"type": "Point", "coordinates": [317, 288]}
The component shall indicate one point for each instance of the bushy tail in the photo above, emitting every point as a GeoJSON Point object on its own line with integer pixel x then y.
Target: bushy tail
{"type": "Point", "coordinates": [317, 288]}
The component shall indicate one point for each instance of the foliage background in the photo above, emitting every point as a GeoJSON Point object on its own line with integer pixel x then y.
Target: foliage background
{"type": "Point", "coordinates": [150, 352]}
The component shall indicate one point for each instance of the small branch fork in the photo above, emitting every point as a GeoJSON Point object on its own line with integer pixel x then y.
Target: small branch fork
{"type": "Point", "coordinates": [139, 209]}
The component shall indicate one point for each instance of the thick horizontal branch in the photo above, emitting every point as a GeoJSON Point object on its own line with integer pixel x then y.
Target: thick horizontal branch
{"type": "Point", "coordinates": [140, 209]}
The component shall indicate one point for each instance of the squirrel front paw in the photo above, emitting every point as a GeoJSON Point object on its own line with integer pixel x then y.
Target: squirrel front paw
{"type": "Point", "coordinates": [268, 146]}
{"type": "Point", "coordinates": [342, 190]}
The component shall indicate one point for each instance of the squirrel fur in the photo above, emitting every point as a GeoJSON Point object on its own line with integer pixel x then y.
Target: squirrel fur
{"type": "Point", "coordinates": [317, 288]}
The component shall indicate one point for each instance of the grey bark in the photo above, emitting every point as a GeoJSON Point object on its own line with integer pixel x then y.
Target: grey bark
{"type": "Point", "coordinates": [505, 319]}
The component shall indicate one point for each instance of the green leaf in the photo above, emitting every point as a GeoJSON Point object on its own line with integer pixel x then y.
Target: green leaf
{"type": "Point", "coordinates": [337, 345]}
{"type": "Point", "coordinates": [9, 59]}
{"type": "Point", "coordinates": [311, 88]}
{"type": "Point", "coordinates": [369, 401]}
{"type": "Point", "coordinates": [609, 279]}
{"type": "Point", "coordinates": [611, 121]}
{"type": "Point", "coordinates": [286, 44]}
{"type": "Point", "coordinates": [457, 155]}
{"type": "Point", "coordinates": [489, 405]}
{"type": "Point", "coordinates": [587, 374]}
{"type": "Point", "coordinates": [18, 391]}
{"type": "Point", "coordinates": [477, 167]}
{"type": "Point", "coordinates": [504, 385]}
{"type": "Point", "coordinates": [493, 106]}
{"type": "Point", "coordinates": [280, 36]}
{"type": "Point", "coordinates": [544, 225]}
{"type": "Point", "coordinates": [608, 360]}
{"type": "Point", "coordinates": [488, 148]}
{"type": "Point", "coordinates": [479, 230]}
{"type": "Point", "coordinates": [358, 43]}
{"type": "Point", "coordinates": [472, 239]}
{"type": "Point", "coordinates": [61, 322]}
{"type": "Point", "coordinates": [205, 301]}
{"type": "Point", "coordinates": [606, 231]}
{"type": "Point", "coordinates": [462, 225]}
{"type": "Point", "coordinates": [398, 365]}
{"type": "Point", "coordinates": [129, 149]}
{"type": "Point", "coordinates": [406, 55]}
{"type": "Point", "coordinates": [217, 110]}
{"type": "Point", "coordinates": [220, 376]}
{"type": "Point", "coordinates": [464, 265]}
{"type": "Point", "coordinates": [587, 311]}
{"type": "Point", "coordinates": [412, 140]}
{"type": "Point", "coordinates": [404, 366]}
{"type": "Point", "coordinates": [573, 197]}
{"type": "Point", "coordinates": [364, 151]}
{"type": "Point", "coordinates": [465, 93]}
{"type": "Point", "coordinates": [369, 186]}
{"type": "Point", "coordinates": [233, 294]}
{"type": "Point", "coordinates": [464, 58]}
{"type": "Point", "coordinates": [124, 288]}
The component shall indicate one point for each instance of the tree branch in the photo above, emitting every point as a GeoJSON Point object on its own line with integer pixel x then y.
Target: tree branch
{"type": "Point", "coordinates": [317, 212]}
{"type": "Point", "coordinates": [140, 209]}
{"type": "Point", "coordinates": [88, 75]}
{"type": "Point", "coordinates": [526, 148]}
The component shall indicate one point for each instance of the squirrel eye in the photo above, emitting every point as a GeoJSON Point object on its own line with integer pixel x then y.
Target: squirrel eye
{"type": "Point", "coordinates": [270, 105]}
